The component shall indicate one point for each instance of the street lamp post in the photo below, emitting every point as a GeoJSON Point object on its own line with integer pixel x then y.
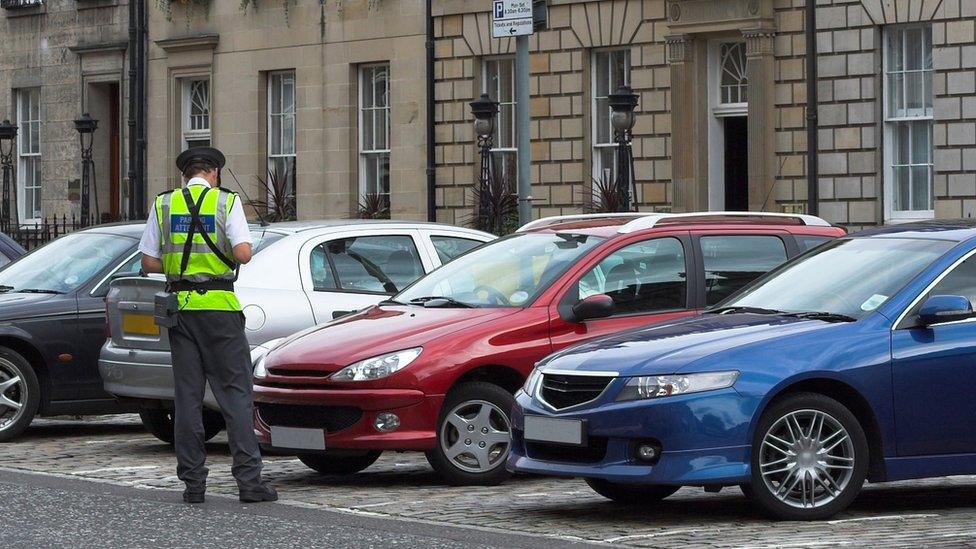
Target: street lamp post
{"type": "Point", "coordinates": [622, 104]}
{"type": "Point", "coordinates": [86, 126]}
{"type": "Point", "coordinates": [8, 132]}
{"type": "Point", "coordinates": [484, 110]}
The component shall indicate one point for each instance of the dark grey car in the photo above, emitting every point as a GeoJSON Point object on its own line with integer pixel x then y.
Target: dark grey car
{"type": "Point", "coordinates": [52, 325]}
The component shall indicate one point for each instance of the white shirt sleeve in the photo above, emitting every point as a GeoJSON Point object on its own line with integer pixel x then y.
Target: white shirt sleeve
{"type": "Point", "coordinates": [150, 244]}
{"type": "Point", "coordinates": [237, 230]}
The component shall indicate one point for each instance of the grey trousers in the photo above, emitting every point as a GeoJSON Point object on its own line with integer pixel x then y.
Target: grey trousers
{"type": "Point", "coordinates": [211, 346]}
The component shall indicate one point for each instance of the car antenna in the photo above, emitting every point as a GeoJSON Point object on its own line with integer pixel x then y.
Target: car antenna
{"type": "Point", "coordinates": [264, 222]}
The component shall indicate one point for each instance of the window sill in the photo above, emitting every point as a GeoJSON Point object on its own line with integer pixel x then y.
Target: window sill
{"type": "Point", "coordinates": [894, 218]}
{"type": "Point", "coordinates": [24, 11]}
{"type": "Point", "coordinates": [91, 4]}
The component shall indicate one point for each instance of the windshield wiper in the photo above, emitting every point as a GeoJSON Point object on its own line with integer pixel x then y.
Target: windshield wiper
{"type": "Point", "coordinates": [439, 301]}
{"type": "Point", "coordinates": [38, 291]}
{"type": "Point", "coordinates": [390, 302]}
{"type": "Point", "coordinates": [823, 315]}
{"type": "Point", "coordinates": [753, 310]}
{"type": "Point", "coordinates": [5, 288]}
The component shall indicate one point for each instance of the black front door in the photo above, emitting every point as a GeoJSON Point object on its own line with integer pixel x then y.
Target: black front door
{"type": "Point", "coordinates": [736, 164]}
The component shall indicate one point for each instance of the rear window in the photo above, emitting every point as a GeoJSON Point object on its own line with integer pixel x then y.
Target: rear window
{"type": "Point", "coordinates": [731, 262]}
{"type": "Point", "coordinates": [261, 238]}
{"type": "Point", "coordinates": [809, 242]}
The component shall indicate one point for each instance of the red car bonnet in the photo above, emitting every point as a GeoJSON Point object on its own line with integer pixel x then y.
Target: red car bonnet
{"type": "Point", "coordinates": [375, 331]}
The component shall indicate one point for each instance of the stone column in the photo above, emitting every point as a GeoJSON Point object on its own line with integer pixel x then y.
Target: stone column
{"type": "Point", "coordinates": [681, 57]}
{"type": "Point", "coordinates": [762, 121]}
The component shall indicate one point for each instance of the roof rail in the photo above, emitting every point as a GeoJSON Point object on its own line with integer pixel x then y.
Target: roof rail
{"type": "Point", "coordinates": [651, 220]}
{"type": "Point", "coordinates": [546, 221]}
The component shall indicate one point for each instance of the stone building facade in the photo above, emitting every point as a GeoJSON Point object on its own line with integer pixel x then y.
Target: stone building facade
{"type": "Point", "coordinates": [61, 58]}
{"type": "Point", "coordinates": [721, 120]}
{"type": "Point", "coordinates": [330, 96]}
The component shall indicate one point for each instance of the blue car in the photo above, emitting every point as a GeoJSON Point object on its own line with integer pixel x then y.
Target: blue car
{"type": "Point", "coordinates": [854, 361]}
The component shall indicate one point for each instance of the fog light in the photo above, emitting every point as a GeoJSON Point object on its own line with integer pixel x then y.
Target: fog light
{"type": "Point", "coordinates": [386, 422]}
{"type": "Point", "coordinates": [647, 451]}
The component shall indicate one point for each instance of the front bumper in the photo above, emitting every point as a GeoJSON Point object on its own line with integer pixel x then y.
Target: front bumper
{"type": "Point", "coordinates": [141, 374]}
{"type": "Point", "coordinates": [347, 416]}
{"type": "Point", "coordinates": [704, 439]}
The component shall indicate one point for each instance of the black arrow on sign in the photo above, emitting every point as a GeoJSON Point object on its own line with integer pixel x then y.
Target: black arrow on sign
{"type": "Point", "coordinates": [511, 30]}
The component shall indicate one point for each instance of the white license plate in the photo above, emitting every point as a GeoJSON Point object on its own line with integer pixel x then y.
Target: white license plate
{"type": "Point", "coordinates": [297, 438]}
{"type": "Point", "coordinates": [560, 431]}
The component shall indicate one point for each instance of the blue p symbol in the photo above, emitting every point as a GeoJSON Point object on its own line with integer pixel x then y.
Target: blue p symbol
{"type": "Point", "coordinates": [499, 10]}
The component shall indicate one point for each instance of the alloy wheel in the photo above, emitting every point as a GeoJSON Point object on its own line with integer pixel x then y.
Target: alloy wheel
{"type": "Point", "coordinates": [476, 436]}
{"type": "Point", "coordinates": [13, 394]}
{"type": "Point", "coordinates": [806, 459]}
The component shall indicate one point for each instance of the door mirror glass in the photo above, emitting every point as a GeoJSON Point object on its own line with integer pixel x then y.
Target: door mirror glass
{"type": "Point", "coordinates": [595, 306]}
{"type": "Point", "coordinates": [944, 308]}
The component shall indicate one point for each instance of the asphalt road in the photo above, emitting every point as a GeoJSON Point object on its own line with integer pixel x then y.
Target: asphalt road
{"type": "Point", "coordinates": [48, 511]}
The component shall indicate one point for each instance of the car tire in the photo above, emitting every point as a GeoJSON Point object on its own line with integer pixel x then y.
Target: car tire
{"type": "Point", "coordinates": [159, 423]}
{"type": "Point", "coordinates": [340, 464]}
{"type": "Point", "coordinates": [815, 438]}
{"type": "Point", "coordinates": [481, 412]}
{"type": "Point", "coordinates": [18, 386]}
{"type": "Point", "coordinates": [631, 494]}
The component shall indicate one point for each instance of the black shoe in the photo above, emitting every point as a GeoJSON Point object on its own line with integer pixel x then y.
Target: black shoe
{"type": "Point", "coordinates": [193, 497]}
{"type": "Point", "coordinates": [265, 493]}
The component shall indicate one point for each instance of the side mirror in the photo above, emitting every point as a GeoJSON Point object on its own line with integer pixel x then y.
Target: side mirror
{"type": "Point", "coordinates": [594, 306]}
{"type": "Point", "coordinates": [944, 308]}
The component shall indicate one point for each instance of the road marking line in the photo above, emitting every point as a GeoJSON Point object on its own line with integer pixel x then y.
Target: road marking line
{"type": "Point", "coordinates": [647, 536]}
{"type": "Point", "coordinates": [533, 495]}
{"type": "Point", "coordinates": [107, 469]}
{"type": "Point", "coordinates": [368, 505]}
{"type": "Point", "coordinates": [883, 517]}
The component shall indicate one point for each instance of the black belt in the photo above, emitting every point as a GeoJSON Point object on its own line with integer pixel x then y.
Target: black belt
{"type": "Point", "coordinates": [187, 286]}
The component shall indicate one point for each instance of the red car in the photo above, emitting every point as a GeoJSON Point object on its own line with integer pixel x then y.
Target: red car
{"type": "Point", "coordinates": [435, 367]}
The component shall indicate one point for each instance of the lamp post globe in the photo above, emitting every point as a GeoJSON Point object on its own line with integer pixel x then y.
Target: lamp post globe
{"type": "Point", "coordinates": [7, 132]}
{"type": "Point", "coordinates": [622, 104]}
{"type": "Point", "coordinates": [484, 110]}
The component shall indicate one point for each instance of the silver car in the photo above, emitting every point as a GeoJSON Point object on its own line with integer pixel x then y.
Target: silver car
{"type": "Point", "coordinates": [304, 273]}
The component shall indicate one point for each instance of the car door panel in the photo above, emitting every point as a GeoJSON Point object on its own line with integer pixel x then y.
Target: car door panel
{"type": "Point", "coordinates": [322, 278]}
{"type": "Point", "coordinates": [933, 372]}
{"type": "Point", "coordinates": [565, 333]}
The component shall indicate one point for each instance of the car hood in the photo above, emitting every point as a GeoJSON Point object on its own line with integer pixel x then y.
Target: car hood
{"type": "Point", "coordinates": [673, 346]}
{"type": "Point", "coordinates": [377, 330]}
{"type": "Point", "coordinates": [14, 306]}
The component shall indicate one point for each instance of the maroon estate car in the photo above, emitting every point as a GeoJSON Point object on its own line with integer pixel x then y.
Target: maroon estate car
{"type": "Point", "coordinates": [435, 367]}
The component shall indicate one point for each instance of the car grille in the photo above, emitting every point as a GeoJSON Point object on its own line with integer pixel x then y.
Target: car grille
{"type": "Point", "coordinates": [594, 451]}
{"type": "Point", "coordinates": [562, 391]}
{"type": "Point", "coordinates": [330, 418]}
{"type": "Point", "coordinates": [298, 373]}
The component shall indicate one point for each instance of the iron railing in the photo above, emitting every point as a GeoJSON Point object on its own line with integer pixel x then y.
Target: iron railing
{"type": "Point", "coordinates": [39, 233]}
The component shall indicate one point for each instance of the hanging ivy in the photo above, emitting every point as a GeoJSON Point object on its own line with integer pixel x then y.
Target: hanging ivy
{"type": "Point", "coordinates": [166, 6]}
{"type": "Point", "coordinates": [286, 4]}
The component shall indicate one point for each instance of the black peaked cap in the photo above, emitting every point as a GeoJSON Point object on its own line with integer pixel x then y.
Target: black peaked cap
{"type": "Point", "coordinates": [207, 154]}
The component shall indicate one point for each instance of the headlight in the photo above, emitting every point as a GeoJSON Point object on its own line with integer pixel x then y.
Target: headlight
{"type": "Point", "coordinates": [260, 371]}
{"type": "Point", "coordinates": [258, 354]}
{"type": "Point", "coordinates": [532, 381]}
{"type": "Point", "coordinates": [662, 386]}
{"type": "Point", "coordinates": [378, 366]}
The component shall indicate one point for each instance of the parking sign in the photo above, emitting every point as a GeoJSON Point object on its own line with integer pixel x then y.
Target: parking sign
{"type": "Point", "coordinates": [511, 18]}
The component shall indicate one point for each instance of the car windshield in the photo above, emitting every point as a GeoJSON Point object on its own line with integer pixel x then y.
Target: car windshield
{"type": "Point", "coordinates": [65, 264]}
{"type": "Point", "coordinates": [848, 277]}
{"type": "Point", "coordinates": [509, 272]}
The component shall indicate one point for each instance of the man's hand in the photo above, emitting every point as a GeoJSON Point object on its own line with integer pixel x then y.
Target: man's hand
{"type": "Point", "coordinates": [151, 264]}
{"type": "Point", "coordinates": [242, 253]}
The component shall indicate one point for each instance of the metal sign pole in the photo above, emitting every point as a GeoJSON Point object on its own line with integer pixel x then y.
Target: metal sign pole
{"type": "Point", "coordinates": [523, 123]}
